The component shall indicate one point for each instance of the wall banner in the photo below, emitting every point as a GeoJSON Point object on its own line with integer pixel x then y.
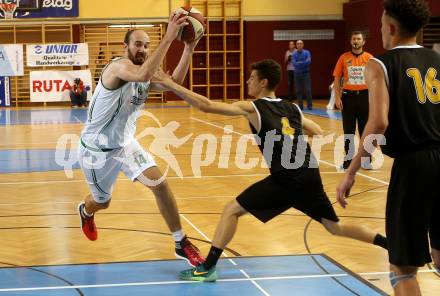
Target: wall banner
{"type": "Point", "coordinates": [54, 86]}
{"type": "Point", "coordinates": [53, 55]}
{"type": "Point", "coordinates": [11, 60]}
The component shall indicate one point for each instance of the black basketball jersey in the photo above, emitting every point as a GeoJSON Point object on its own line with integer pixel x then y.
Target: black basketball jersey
{"type": "Point", "coordinates": [413, 78]}
{"type": "Point", "coordinates": [281, 136]}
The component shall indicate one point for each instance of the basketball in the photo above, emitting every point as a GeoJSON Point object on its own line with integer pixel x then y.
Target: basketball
{"type": "Point", "coordinates": [196, 27]}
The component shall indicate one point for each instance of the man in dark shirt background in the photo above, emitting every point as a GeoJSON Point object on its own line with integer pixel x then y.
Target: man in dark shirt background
{"type": "Point", "coordinates": [302, 59]}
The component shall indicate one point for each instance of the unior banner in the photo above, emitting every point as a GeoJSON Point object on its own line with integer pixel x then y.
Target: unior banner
{"type": "Point", "coordinates": [53, 55]}
{"type": "Point", "coordinates": [11, 60]}
{"type": "Point", "coordinates": [55, 86]}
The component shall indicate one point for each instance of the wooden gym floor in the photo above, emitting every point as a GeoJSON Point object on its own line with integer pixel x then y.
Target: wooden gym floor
{"type": "Point", "coordinates": [39, 225]}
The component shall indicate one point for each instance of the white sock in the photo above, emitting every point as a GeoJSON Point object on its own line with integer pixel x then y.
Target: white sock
{"type": "Point", "coordinates": [178, 235]}
{"type": "Point", "coordinates": [85, 213]}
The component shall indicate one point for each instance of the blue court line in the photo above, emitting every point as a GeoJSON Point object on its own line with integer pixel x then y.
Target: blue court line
{"type": "Point", "coordinates": [53, 116]}
{"type": "Point", "coordinates": [276, 275]}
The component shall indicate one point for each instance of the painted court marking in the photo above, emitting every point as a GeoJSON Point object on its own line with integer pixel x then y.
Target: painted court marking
{"type": "Point", "coordinates": [226, 255]}
{"type": "Point", "coordinates": [187, 282]}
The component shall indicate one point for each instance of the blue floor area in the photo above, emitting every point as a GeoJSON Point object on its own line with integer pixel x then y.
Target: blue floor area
{"type": "Point", "coordinates": [331, 114]}
{"type": "Point", "coordinates": [36, 160]}
{"type": "Point", "coordinates": [42, 116]}
{"type": "Point", "coordinates": [276, 275]}
{"type": "Point", "coordinates": [69, 116]}
{"type": "Point", "coordinates": [53, 116]}
{"type": "Point", "coordinates": [42, 160]}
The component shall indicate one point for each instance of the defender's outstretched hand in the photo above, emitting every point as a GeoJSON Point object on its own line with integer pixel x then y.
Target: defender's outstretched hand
{"type": "Point", "coordinates": [162, 81]}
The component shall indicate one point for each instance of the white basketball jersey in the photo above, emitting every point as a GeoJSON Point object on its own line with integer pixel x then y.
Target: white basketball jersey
{"type": "Point", "coordinates": [112, 115]}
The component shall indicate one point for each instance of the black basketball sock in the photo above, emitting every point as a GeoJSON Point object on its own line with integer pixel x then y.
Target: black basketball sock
{"type": "Point", "coordinates": [213, 256]}
{"type": "Point", "coordinates": [381, 241]}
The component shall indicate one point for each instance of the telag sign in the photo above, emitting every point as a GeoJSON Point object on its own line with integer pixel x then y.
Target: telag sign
{"type": "Point", "coordinates": [66, 4]}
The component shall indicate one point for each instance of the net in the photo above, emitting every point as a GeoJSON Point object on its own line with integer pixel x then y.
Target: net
{"type": "Point", "coordinates": [8, 9]}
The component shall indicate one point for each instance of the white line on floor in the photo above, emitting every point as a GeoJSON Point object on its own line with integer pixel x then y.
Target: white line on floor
{"type": "Point", "coordinates": [226, 255]}
{"type": "Point", "coordinates": [187, 282]}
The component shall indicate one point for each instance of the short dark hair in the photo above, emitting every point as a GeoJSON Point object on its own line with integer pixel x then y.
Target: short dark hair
{"type": "Point", "coordinates": [358, 33]}
{"type": "Point", "coordinates": [128, 35]}
{"type": "Point", "coordinates": [270, 70]}
{"type": "Point", "coordinates": [412, 15]}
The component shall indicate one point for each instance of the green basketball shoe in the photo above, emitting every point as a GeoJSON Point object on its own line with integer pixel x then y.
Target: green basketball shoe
{"type": "Point", "coordinates": [199, 274]}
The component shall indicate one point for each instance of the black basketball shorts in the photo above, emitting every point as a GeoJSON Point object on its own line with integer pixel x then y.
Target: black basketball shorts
{"type": "Point", "coordinates": [301, 189]}
{"type": "Point", "coordinates": [413, 207]}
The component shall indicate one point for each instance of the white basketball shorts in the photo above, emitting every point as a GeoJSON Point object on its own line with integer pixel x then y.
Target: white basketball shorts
{"type": "Point", "coordinates": [101, 168]}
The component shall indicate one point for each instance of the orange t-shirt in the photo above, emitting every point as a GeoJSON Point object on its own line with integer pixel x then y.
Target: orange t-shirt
{"type": "Point", "coordinates": [352, 67]}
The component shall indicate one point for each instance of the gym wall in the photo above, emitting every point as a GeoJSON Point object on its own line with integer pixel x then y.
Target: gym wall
{"type": "Point", "coordinates": [324, 52]}
{"type": "Point", "coordinates": [342, 16]}
{"type": "Point", "coordinates": [366, 15]}
{"type": "Point", "coordinates": [251, 8]}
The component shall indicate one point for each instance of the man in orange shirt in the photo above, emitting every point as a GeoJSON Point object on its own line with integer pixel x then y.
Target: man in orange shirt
{"type": "Point", "coordinates": [352, 96]}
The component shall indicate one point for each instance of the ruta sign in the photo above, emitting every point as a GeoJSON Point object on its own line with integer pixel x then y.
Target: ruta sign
{"type": "Point", "coordinates": [54, 86]}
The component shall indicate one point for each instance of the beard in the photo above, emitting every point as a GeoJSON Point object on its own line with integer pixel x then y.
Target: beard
{"type": "Point", "coordinates": [137, 59]}
{"type": "Point", "coordinates": [356, 46]}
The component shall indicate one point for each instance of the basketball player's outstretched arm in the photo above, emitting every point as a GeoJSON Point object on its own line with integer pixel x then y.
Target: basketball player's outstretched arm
{"type": "Point", "coordinates": [125, 70]}
{"type": "Point", "coordinates": [200, 102]}
{"type": "Point", "coordinates": [376, 125]}
{"type": "Point", "coordinates": [206, 105]}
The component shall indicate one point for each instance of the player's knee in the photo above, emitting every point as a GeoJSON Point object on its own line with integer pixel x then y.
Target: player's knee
{"type": "Point", "coordinates": [435, 254]}
{"type": "Point", "coordinates": [233, 208]}
{"type": "Point", "coordinates": [333, 227]}
{"type": "Point", "coordinates": [399, 274]}
{"type": "Point", "coordinates": [401, 270]}
{"type": "Point", "coordinates": [158, 184]}
{"type": "Point", "coordinates": [160, 188]}
{"type": "Point", "coordinates": [228, 209]}
{"type": "Point", "coordinates": [99, 197]}
{"type": "Point", "coordinates": [100, 203]}
{"type": "Point", "coordinates": [104, 205]}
